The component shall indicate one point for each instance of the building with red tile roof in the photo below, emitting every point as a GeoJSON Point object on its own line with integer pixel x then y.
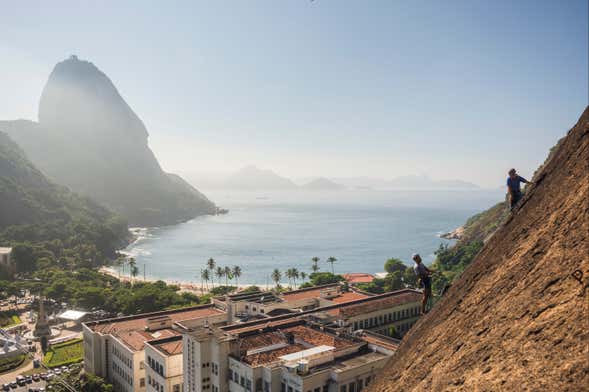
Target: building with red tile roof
{"type": "Point", "coordinates": [358, 277]}
{"type": "Point", "coordinates": [114, 348]}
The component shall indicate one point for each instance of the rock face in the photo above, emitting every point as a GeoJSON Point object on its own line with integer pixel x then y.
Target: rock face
{"type": "Point", "coordinates": [89, 139]}
{"type": "Point", "coordinates": [517, 319]}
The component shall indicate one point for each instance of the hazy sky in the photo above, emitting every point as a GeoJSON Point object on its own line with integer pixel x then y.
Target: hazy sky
{"type": "Point", "coordinates": [454, 89]}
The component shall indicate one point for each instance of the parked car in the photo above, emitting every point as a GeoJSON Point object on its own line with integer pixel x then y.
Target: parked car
{"type": "Point", "coordinates": [6, 387]}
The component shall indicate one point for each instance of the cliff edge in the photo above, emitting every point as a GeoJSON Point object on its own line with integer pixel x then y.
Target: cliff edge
{"type": "Point", "coordinates": [518, 317]}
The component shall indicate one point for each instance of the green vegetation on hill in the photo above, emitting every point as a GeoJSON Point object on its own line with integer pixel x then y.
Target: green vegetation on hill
{"type": "Point", "coordinates": [452, 260]}
{"type": "Point", "coordinates": [89, 289]}
{"type": "Point", "coordinates": [47, 224]}
{"type": "Point", "coordinates": [398, 277]}
{"type": "Point", "coordinates": [321, 278]}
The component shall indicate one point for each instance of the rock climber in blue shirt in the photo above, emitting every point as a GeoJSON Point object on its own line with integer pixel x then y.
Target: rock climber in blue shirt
{"type": "Point", "coordinates": [513, 187]}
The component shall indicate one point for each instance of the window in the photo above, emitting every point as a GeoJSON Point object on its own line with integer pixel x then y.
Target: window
{"type": "Point", "coordinates": [176, 388]}
{"type": "Point", "coordinates": [230, 375]}
{"type": "Point", "coordinates": [266, 386]}
{"type": "Point", "coordinates": [343, 388]}
{"type": "Point", "coordinates": [352, 387]}
{"type": "Point", "coordinates": [242, 381]}
{"type": "Point", "coordinates": [289, 389]}
{"type": "Point", "coordinates": [368, 380]}
{"type": "Point", "coordinates": [282, 387]}
{"type": "Point", "coordinates": [142, 382]}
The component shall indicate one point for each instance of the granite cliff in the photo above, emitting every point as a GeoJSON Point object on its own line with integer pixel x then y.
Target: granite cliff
{"type": "Point", "coordinates": [89, 139]}
{"type": "Point", "coordinates": [517, 319]}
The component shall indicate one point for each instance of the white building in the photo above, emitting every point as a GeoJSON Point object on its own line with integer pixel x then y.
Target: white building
{"type": "Point", "coordinates": [114, 348]}
{"type": "Point", "coordinates": [293, 355]}
{"type": "Point", "coordinates": [163, 359]}
{"type": "Point", "coordinates": [142, 353]}
{"type": "Point", "coordinates": [327, 349]}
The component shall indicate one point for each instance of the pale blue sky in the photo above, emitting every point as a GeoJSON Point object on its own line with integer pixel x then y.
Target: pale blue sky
{"type": "Point", "coordinates": [454, 89]}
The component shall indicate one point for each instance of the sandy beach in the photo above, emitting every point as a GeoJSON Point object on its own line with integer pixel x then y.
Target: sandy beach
{"type": "Point", "coordinates": [185, 286]}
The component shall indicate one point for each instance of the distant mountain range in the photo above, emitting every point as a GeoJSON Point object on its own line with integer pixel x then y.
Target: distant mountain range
{"type": "Point", "coordinates": [322, 184]}
{"type": "Point", "coordinates": [251, 178]}
{"type": "Point", "coordinates": [89, 139]}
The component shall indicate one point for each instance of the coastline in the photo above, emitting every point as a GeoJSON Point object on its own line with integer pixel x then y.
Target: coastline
{"type": "Point", "coordinates": [455, 234]}
{"type": "Point", "coordinates": [185, 286]}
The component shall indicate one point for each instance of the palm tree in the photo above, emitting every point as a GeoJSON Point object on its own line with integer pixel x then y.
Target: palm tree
{"type": "Point", "coordinates": [315, 266]}
{"type": "Point", "coordinates": [228, 275]}
{"type": "Point", "coordinates": [133, 271]}
{"type": "Point", "coordinates": [303, 276]}
{"type": "Point", "coordinates": [219, 273]}
{"type": "Point", "coordinates": [211, 266]}
{"type": "Point", "coordinates": [236, 274]}
{"type": "Point", "coordinates": [205, 276]}
{"type": "Point", "coordinates": [295, 276]}
{"type": "Point", "coordinates": [276, 276]}
{"type": "Point", "coordinates": [289, 274]}
{"type": "Point", "coordinates": [331, 260]}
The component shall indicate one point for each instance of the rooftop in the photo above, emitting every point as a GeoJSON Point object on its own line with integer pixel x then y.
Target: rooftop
{"type": "Point", "coordinates": [353, 307]}
{"type": "Point", "coordinates": [358, 277]}
{"type": "Point", "coordinates": [330, 292]}
{"type": "Point", "coordinates": [270, 345]}
{"type": "Point", "coordinates": [131, 329]}
{"type": "Point", "coordinates": [308, 293]}
{"type": "Point", "coordinates": [380, 340]}
{"type": "Point", "coordinates": [168, 346]}
{"type": "Point", "coordinates": [5, 250]}
{"type": "Point", "coordinates": [72, 315]}
{"type": "Point", "coordinates": [358, 360]}
{"type": "Point", "coordinates": [348, 296]}
{"type": "Point", "coordinates": [379, 302]}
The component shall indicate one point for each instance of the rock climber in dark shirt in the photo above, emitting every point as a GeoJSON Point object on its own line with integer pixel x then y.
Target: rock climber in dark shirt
{"type": "Point", "coordinates": [513, 187]}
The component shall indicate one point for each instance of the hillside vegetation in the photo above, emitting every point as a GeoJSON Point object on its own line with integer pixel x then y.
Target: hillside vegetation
{"type": "Point", "coordinates": [517, 319]}
{"type": "Point", "coordinates": [452, 260]}
{"type": "Point", "coordinates": [47, 224]}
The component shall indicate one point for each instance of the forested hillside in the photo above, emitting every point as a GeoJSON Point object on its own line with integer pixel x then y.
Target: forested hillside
{"type": "Point", "coordinates": [48, 224]}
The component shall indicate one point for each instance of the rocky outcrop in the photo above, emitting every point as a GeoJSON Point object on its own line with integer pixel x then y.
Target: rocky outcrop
{"type": "Point", "coordinates": [517, 319]}
{"type": "Point", "coordinates": [89, 139]}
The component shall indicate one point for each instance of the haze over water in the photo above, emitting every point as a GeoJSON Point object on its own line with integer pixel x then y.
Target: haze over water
{"type": "Point", "coordinates": [267, 230]}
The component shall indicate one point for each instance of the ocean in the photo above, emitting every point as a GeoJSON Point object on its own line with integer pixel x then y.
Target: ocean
{"type": "Point", "coordinates": [268, 230]}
